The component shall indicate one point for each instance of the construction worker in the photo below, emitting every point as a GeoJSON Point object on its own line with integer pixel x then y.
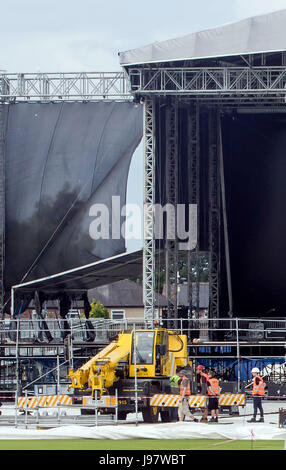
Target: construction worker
{"type": "Point", "coordinates": [175, 381]}
{"type": "Point", "coordinates": [213, 391]}
{"type": "Point", "coordinates": [203, 389]}
{"type": "Point", "coordinates": [185, 392]}
{"type": "Point", "coordinates": [258, 386]}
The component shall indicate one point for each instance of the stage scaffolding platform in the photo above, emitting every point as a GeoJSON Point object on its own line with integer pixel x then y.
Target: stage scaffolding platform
{"type": "Point", "coordinates": [35, 360]}
{"type": "Point", "coordinates": [183, 94]}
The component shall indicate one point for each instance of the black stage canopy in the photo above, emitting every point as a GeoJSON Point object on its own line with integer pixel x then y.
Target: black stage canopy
{"type": "Point", "coordinates": [115, 268]}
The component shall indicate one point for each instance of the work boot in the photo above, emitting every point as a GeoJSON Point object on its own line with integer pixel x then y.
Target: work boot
{"type": "Point", "coordinates": [203, 420]}
{"type": "Point", "coordinates": [195, 420]}
{"type": "Point", "coordinates": [261, 420]}
{"type": "Point", "coordinates": [216, 419]}
{"type": "Point", "coordinates": [212, 420]}
{"type": "Point", "coordinates": [252, 420]}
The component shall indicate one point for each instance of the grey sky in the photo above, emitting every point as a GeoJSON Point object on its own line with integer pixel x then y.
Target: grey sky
{"type": "Point", "coordinates": [72, 36]}
{"type": "Point", "coordinates": [68, 35]}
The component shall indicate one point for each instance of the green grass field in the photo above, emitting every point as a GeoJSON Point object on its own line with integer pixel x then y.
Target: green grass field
{"type": "Point", "coordinates": [139, 444]}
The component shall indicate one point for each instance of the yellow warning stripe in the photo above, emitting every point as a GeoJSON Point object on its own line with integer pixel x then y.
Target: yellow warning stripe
{"type": "Point", "coordinates": [173, 400]}
{"type": "Point", "coordinates": [227, 399]}
{"type": "Point", "coordinates": [44, 401]}
{"type": "Point", "coordinates": [232, 399]}
{"type": "Point", "coordinates": [197, 400]}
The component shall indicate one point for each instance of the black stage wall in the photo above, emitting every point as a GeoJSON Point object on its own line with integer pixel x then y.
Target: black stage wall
{"type": "Point", "coordinates": [254, 154]}
{"type": "Point", "coordinates": [60, 159]}
{"type": "Point", "coordinates": [254, 148]}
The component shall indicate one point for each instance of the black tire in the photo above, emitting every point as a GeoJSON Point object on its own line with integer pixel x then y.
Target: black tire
{"type": "Point", "coordinates": [150, 414]}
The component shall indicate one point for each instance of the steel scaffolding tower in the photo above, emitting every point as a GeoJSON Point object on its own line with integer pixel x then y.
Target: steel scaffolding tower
{"type": "Point", "coordinates": [214, 214]}
{"type": "Point", "coordinates": [149, 201]}
{"type": "Point", "coordinates": [172, 200]}
{"type": "Point", "coordinates": [2, 204]}
{"type": "Point", "coordinates": [193, 196]}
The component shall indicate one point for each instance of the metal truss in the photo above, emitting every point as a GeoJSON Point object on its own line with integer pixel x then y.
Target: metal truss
{"type": "Point", "coordinates": [219, 81]}
{"type": "Point", "coordinates": [149, 222]}
{"type": "Point", "coordinates": [214, 215]}
{"type": "Point", "coordinates": [193, 195]}
{"type": "Point", "coordinates": [2, 206]}
{"type": "Point", "coordinates": [172, 199]}
{"type": "Point", "coordinates": [64, 86]}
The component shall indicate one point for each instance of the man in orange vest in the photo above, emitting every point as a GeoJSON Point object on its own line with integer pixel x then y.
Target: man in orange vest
{"type": "Point", "coordinates": [203, 386]}
{"type": "Point", "coordinates": [258, 386]}
{"type": "Point", "coordinates": [213, 391]}
{"type": "Point", "coordinates": [185, 392]}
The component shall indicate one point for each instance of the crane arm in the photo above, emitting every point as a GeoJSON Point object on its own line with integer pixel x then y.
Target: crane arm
{"type": "Point", "coordinates": [99, 373]}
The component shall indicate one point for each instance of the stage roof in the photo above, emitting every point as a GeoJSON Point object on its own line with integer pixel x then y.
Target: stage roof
{"type": "Point", "coordinates": [115, 268]}
{"type": "Point", "coordinates": [258, 34]}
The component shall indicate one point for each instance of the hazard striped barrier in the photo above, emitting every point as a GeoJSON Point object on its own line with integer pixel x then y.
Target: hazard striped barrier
{"type": "Point", "coordinates": [108, 401]}
{"type": "Point", "coordinates": [195, 401]}
{"type": "Point", "coordinates": [198, 401]}
{"type": "Point", "coordinates": [232, 399]}
{"type": "Point", "coordinates": [44, 401]}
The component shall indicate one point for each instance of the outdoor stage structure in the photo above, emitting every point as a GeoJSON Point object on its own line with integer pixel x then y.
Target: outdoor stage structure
{"type": "Point", "coordinates": [214, 136]}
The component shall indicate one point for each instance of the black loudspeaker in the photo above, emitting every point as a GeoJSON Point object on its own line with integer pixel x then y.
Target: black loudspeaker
{"type": "Point", "coordinates": [256, 331]}
{"type": "Point", "coordinates": [183, 313]}
{"type": "Point", "coordinates": [282, 418]}
{"type": "Point", "coordinates": [228, 387]}
{"type": "Point", "coordinates": [276, 389]}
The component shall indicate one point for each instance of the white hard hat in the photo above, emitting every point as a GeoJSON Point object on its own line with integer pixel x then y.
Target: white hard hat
{"type": "Point", "coordinates": [255, 369]}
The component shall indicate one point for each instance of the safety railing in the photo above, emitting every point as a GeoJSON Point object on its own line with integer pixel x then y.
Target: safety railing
{"type": "Point", "coordinates": [53, 331]}
{"type": "Point", "coordinates": [32, 339]}
{"type": "Point", "coordinates": [58, 410]}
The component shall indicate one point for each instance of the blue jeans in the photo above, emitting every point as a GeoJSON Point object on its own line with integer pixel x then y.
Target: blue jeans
{"type": "Point", "coordinates": [257, 405]}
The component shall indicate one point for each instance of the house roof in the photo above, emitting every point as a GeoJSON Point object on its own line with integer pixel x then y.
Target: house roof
{"type": "Point", "coordinates": [203, 295]}
{"type": "Point", "coordinates": [258, 34]}
{"type": "Point", "coordinates": [123, 293]}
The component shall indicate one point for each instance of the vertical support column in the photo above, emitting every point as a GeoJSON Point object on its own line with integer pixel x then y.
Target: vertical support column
{"type": "Point", "coordinates": [2, 202]}
{"type": "Point", "coordinates": [149, 222]}
{"type": "Point", "coordinates": [193, 198]}
{"type": "Point", "coordinates": [172, 200]}
{"type": "Point", "coordinates": [214, 216]}
{"type": "Point", "coordinates": [225, 224]}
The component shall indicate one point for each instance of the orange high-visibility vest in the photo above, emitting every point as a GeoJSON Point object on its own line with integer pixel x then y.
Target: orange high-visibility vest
{"type": "Point", "coordinates": [203, 374]}
{"type": "Point", "coordinates": [213, 389]}
{"type": "Point", "coordinates": [187, 389]}
{"type": "Point", "coordinates": [258, 389]}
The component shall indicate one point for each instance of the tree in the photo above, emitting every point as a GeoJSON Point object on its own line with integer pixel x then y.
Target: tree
{"type": "Point", "coordinates": [98, 310]}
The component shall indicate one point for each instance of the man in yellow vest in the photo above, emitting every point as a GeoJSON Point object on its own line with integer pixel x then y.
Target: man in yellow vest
{"type": "Point", "coordinates": [258, 386]}
{"type": "Point", "coordinates": [185, 392]}
{"type": "Point", "coordinates": [175, 381]}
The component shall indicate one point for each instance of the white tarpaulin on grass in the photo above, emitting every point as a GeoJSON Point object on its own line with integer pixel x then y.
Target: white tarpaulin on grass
{"type": "Point", "coordinates": [183, 430]}
{"type": "Point", "coordinates": [264, 33]}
